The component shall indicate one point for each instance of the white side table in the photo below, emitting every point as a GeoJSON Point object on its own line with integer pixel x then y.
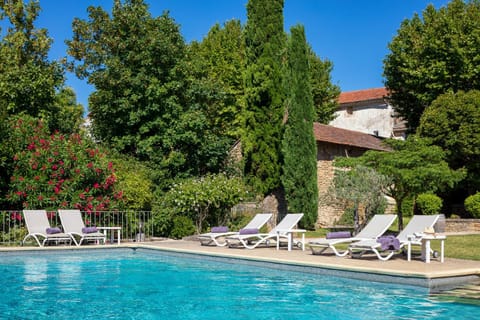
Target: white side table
{"type": "Point", "coordinates": [290, 233]}
{"type": "Point", "coordinates": [425, 240]}
{"type": "Point", "coordinates": [112, 229]}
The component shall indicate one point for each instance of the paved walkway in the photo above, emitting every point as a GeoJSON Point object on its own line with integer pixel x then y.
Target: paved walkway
{"type": "Point", "coordinates": [434, 275]}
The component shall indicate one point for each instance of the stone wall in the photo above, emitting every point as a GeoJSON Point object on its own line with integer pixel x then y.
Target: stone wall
{"type": "Point", "coordinates": [462, 225]}
{"type": "Point", "coordinates": [330, 211]}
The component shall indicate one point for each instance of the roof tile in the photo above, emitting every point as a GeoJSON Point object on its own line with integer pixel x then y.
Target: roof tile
{"type": "Point", "coordinates": [340, 136]}
{"type": "Point", "coordinates": [362, 95]}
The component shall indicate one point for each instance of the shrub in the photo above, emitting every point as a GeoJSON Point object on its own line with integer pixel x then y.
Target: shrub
{"type": "Point", "coordinates": [429, 203]}
{"type": "Point", "coordinates": [201, 199]}
{"type": "Point", "coordinates": [472, 205]}
{"type": "Point", "coordinates": [134, 179]}
{"type": "Point", "coordinates": [407, 207]}
{"type": "Point", "coordinates": [182, 227]}
{"type": "Point", "coordinates": [54, 171]}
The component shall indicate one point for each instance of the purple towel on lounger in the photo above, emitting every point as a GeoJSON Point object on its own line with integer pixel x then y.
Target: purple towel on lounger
{"type": "Point", "coordinates": [89, 230]}
{"type": "Point", "coordinates": [248, 231]}
{"type": "Point", "coordinates": [338, 235]}
{"type": "Point", "coordinates": [53, 230]}
{"type": "Point", "coordinates": [220, 229]}
{"type": "Point", "coordinates": [389, 243]}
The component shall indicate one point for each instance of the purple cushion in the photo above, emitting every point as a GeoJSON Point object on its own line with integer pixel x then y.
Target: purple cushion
{"type": "Point", "coordinates": [248, 231]}
{"type": "Point", "coordinates": [338, 235]}
{"type": "Point", "coordinates": [220, 229]}
{"type": "Point", "coordinates": [389, 243]}
{"type": "Point", "coordinates": [53, 230]}
{"type": "Point", "coordinates": [89, 229]}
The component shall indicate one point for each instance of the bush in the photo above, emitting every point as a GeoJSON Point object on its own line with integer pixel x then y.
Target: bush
{"type": "Point", "coordinates": [472, 205]}
{"type": "Point", "coordinates": [204, 199]}
{"type": "Point", "coordinates": [429, 203]}
{"type": "Point", "coordinates": [182, 227]}
{"type": "Point", "coordinates": [407, 207]}
{"type": "Point", "coordinates": [54, 171]}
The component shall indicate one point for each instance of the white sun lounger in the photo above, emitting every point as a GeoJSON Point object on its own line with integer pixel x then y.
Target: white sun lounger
{"type": "Point", "coordinates": [251, 241]}
{"type": "Point", "coordinates": [72, 223]}
{"type": "Point", "coordinates": [37, 224]}
{"type": "Point", "coordinates": [416, 226]}
{"type": "Point", "coordinates": [215, 237]}
{"type": "Point", "coordinates": [374, 229]}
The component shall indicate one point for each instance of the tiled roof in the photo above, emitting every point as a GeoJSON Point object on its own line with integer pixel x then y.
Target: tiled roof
{"type": "Point", "coordinates": [345, 137]}
{"type": "Point", "coordinates": [362, 95]}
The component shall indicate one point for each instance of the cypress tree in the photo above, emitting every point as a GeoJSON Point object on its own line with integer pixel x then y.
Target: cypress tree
{"type": "Point", "coordinates": [264, 95]}
{"type": "Point", "coordinates": [298, 146]}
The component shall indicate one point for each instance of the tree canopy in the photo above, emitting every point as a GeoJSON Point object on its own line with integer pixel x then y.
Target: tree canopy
{"type": "Point", "coordinates": [452, 122]}
{"type": "Point", "coordinates": [324, 92]}
{"type": "Point", "coordinates": [431, 55]}
{"type": "Point", "coordinates": [414, 166]}
{"type": "Point", "coordinates": [218, 62]}
{"type": "Point", "coordinates": [28, 80]}
{"type": "Point", "coordinates": [144, 103]}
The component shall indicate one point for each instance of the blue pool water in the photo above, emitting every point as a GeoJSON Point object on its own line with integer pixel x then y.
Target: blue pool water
{"type": "Point", "coordinates": [144, 284]}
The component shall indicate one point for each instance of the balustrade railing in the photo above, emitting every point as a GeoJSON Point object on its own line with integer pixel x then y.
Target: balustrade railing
{"type": "Point", "coordinates": [135, 225]}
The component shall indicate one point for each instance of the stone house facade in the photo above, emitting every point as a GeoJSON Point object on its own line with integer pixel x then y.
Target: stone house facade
{"type": "Point", "coordinates": [335, 142]}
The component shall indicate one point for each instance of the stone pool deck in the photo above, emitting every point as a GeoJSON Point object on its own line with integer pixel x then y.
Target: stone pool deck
{"type": "Point", "coordinates": [434, 275]}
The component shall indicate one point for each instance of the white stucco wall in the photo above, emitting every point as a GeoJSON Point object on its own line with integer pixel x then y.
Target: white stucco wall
{"type": "Point", "coordinates": [366, 118]}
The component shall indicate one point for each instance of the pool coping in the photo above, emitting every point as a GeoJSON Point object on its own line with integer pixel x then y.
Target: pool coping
{"type": "Point", "coordinates": [433, 281]}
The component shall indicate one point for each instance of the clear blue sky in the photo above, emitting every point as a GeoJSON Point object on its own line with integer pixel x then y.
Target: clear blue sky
{"type": "Point", "coordinates": [353, 34]}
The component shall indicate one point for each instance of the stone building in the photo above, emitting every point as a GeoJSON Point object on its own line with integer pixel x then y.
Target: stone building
{"type": "Point", "coordinates": [368, 111]}
{"type": "Point", "coordinates": [335, 142]}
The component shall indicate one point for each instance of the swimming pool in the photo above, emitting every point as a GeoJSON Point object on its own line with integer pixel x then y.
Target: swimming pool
{"type": "Point", "coordinates": [148, 284]}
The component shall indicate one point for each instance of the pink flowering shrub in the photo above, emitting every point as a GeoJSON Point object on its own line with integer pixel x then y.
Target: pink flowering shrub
{"type": "Point", "coordinates": [54, 171]}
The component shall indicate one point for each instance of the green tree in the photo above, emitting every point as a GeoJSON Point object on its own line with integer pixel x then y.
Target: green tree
{"type": "Point", "coordinates": [28, 80]}
{"type": "Point", "coordinates": [264, 94]}
{"type": "Point", "coordinates": [70, 113]}
{"type": "Point", "coordinates": [143, 104]}
{"type": "Point", "coordinates": [324, 92]}
{"type": "Point", "coordinates": [414, 166]}
{"type": "Point", "coordinates": [298, 146]}
{"type": "Point", "coordinates": [452, 122]}
{"type": "Point", "coordinates": [361, 186]}
{"type": "Point", "coordinates": [431, 55]}
{"type": "Point", "coordinates": [218, 62]}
